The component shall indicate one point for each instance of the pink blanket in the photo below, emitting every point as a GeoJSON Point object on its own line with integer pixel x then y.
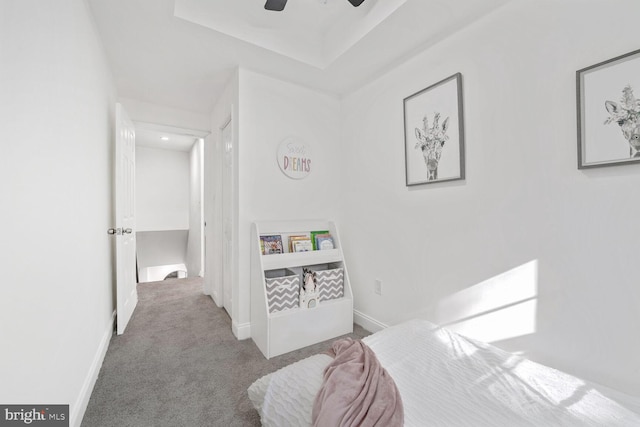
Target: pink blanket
{"type": "Point", "coordinates": [357, 390]}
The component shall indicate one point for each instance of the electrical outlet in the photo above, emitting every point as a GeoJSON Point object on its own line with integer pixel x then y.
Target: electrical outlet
{"type": "Point", "coordinates": [377, 287]}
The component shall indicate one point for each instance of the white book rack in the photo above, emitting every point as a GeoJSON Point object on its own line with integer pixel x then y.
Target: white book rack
{"type": "Point", "coordinates": [276, 333]}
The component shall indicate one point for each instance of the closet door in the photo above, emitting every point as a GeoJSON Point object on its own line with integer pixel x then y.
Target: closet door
{"type": "Point", "coordinates": [228, 212]}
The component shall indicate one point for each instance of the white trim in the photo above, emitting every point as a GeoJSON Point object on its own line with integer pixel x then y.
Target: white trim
{"type": "Point", "coordinates": [241, 331]}
{"type": "Point", "coordinates": [368, 322]}
{"type": "Point", "coordinates": [80, 406]}
{"type": "Point", "coordinates": [216, 299]}
{"type": "Point", "coordinates": [228, 120]}
{"type": "Point", "coordinates": [197, 133]}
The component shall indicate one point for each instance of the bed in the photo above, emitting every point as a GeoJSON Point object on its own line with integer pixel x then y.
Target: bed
{"type": "Point", "coordinates": [445, 379]}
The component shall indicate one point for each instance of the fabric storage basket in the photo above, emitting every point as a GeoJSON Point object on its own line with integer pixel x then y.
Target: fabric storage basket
{"type": "Point", "coordinates": [283, 289]}
{"type": "Point", "coordinates": [330, 282]}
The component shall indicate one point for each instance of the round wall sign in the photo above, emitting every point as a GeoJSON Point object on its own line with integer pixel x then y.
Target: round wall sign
{"type": "Point", "coordinates": [294, 158]}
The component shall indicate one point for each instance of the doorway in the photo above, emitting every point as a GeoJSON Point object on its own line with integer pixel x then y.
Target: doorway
{"type": "Point", "coordinates": [169, 202]}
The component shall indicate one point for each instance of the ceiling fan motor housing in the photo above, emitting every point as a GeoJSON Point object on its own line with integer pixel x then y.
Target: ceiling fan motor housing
{"type": "Point", "coordinates": [278, 5]}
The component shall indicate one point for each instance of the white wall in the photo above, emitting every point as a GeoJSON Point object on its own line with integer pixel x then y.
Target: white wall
{"type": "Point", "coordinates": [270, 111]}
{"type": "Point", "coordinates": [523, 200]}
{"type": "Point", "coordinates": [194, 246]}
{"type": "Point", "coordinates": [159, 251]}
{"type": "Point", "coordinates": [57, 107]}
{"type": "Point", "coordinates": [147, 112]}
{"type": "Point", "coordinates": [162, 189]}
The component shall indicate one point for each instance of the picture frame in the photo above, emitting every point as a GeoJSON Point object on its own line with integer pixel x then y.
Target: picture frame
{"type": "Point", "coordinates": [434, 133]}
{"type": "Point", "coordinates": [608, 112]}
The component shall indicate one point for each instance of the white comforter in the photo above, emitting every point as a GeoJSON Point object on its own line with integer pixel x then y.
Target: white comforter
{"type": "Point", "coordinates": [447, 380]}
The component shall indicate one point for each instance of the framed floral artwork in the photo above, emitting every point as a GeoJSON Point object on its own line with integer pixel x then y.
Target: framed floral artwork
{"type": "Point", "coordinates": [609, 112]}
{"type": "Point", "coordinates": [434, 133]}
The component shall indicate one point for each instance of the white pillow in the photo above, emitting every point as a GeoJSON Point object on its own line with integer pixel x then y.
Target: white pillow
{"type": "Point", "coordinates": [285, 397]}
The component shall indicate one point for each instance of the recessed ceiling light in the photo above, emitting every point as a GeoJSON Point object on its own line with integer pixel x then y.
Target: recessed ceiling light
{"type": "Point", "coordinates": [164, 138]}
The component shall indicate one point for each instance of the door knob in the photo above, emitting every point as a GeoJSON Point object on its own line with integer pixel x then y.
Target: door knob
{"type": "Point", "coordinates": [119, 231]}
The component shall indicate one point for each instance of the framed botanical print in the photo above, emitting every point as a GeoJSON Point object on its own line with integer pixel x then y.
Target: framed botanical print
{"type": "Point", "coordinates": [434, 133]}
{"type": "Point", "coordinates": [609, 112]}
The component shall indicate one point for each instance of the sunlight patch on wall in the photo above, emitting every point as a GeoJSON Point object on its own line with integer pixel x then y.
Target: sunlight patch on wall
{"type": "Point", "coordinates": [499, 308]}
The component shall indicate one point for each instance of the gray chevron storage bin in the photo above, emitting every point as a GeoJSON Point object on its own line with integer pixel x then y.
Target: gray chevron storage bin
{"type": "Point", "coordinates": [283, 289]}
{"type": "Point", "coordinates": [330, 282]}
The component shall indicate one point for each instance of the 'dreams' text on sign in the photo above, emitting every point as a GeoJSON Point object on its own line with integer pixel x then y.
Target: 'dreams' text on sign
{"type": "Point", "coordinates": [294, 158]}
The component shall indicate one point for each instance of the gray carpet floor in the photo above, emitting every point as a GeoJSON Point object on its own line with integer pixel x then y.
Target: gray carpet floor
{"type": "Point", "coordinates": [178, 364]}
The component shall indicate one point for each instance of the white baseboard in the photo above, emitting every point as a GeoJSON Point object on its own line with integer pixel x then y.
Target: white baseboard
{"type": "Point", "coordinates": [368, 322]}
{"type": "Point", "coordinates": [242, 331]}
{"type": "Point", "coordinates": [216, 299]}
{"type": "Point", "coordinates": [80, 406]}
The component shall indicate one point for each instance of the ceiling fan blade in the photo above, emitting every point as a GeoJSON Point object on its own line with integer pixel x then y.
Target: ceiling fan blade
{"type": "Point", "coordinates": [276, 5]}
{"type": "Point", "coordinates": [356, 3]}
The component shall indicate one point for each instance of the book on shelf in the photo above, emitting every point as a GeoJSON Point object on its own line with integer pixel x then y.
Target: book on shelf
{"type": "Point", "coordinates": [271, 244]}
{"type": "Point", "coordinates": [296, 238]}
{"type": "Point", "coordinates": [313, 235]}
{"type": "Point", "coordinates": [302, 245]}
{"type": "Point", "coordinates": [324, 242]}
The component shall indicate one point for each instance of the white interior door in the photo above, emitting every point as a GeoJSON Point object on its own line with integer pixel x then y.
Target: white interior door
{"type": "Point", "coordinates": [125, 167]}
{"type": "Point", "coordinates": [227, 218]}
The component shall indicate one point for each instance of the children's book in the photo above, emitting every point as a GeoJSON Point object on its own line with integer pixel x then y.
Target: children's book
{"type": "Point", "coordinates": [302, 245]}
{"type": "Point", "coordinates": [313, 237]}
{"type": "Point", "coordinates": [271, 244]}
{"type": "Point", "coordinates": [295, 238]}
{"type": "Point", "coordinates": [324, 242]}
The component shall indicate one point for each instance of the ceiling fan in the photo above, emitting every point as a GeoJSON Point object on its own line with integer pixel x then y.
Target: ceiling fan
{"type": "Point", "coordinates": [278, 5]}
